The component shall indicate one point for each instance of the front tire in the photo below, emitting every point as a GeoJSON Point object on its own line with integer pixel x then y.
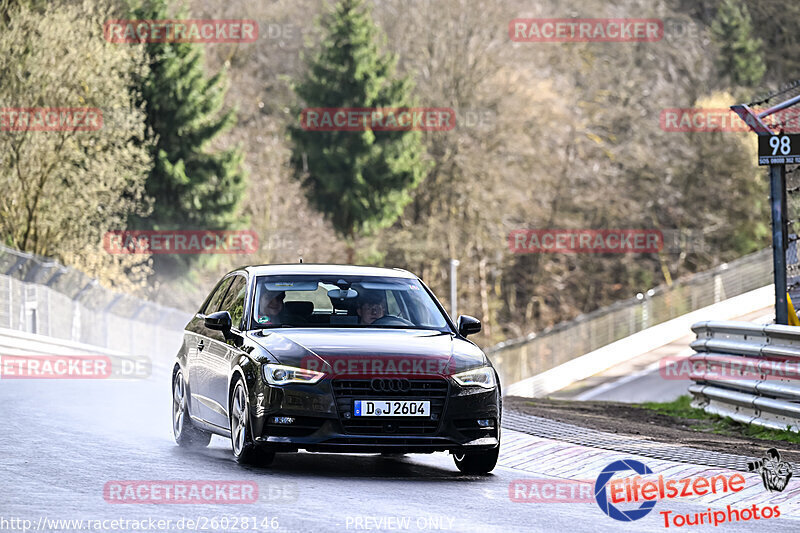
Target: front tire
{"type": "Point", "coordinates": [476, 462]}
{"type": "Point", "coordinates": [186, 435]}
{"type": "Point", "coordinates": [245, 451]}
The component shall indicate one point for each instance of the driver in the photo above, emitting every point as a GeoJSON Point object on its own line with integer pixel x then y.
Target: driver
{"type": "Point", "coordinates": [270, 307]}
{"type": "Point", "coordinates": [371, 307]}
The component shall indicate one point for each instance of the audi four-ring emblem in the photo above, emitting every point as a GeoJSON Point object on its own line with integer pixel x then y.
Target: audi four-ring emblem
{"type": "Point", "coordinates": [391, 385]}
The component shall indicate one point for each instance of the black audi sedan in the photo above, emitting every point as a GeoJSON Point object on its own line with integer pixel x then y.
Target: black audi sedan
{"type": "Point", "coordinates": [333, 358]}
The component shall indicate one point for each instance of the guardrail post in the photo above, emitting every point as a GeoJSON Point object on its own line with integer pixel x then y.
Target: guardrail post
{"type": "Point", "coordinates": [10, 303]}
{"type": "Point", "coordinates": [76, 321]}
{"type": "Point", "coordinates": [717, 288]}
{"type": "Point", "coordinates": [454, 288]}
{"type": "Point", "coordinates": [645, 313]}
{"type": "Point", "coordinates": [777, 185]}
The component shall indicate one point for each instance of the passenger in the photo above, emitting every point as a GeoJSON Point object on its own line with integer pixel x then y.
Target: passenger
{"type": "Point", "coordinates": [371, 307]}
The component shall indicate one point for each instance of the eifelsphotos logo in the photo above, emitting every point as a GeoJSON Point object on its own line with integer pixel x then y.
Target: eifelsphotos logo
{"type": "Point", "coordinates": [563, 30]}
{"type": "Point", "coordinates": [601, 496]}
{"type": "Point", "coordinates": [378, 119]}
{"type": "Point", "coordinates": [774, 473]}
{"type": "Point", "coordinates": [573, 241]}
{"type": "Point", "coordinates": [716, 518]}
{"type": "Point", "coordinates": [180, 31]}
{"type": "Point", "coordinates": [50, 119]}
{"type": "Point", "coordinates": [630, 490]}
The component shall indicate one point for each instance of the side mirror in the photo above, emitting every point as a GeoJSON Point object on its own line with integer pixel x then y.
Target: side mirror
{"type": "Point", "coordinates": [220, 321]}
{"type": "Point", "coordinates": [467, 325]}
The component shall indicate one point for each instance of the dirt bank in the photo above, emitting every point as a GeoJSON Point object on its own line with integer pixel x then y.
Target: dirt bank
{"type": "Point", "coordinates": [627, 419]}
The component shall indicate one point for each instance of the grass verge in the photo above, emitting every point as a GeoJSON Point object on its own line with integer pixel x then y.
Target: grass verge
{"type": "Point", "coordinates": [699, 420]}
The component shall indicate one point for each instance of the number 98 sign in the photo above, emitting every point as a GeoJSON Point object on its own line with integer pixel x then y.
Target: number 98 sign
{"type": "Point", "coordinates": [778, 149]}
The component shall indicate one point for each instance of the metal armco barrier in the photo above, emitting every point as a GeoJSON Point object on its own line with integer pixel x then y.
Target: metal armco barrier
{"type": "Point", "coordinates": [748, 372]}
{"type": "Point", "coordinates": [41, 296]}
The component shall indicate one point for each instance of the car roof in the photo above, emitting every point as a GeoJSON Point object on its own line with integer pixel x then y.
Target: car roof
{"type": "Point", "coordinates": [327, 270]}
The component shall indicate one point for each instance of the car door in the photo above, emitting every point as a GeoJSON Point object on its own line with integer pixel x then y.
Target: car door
{"type": "Point", "coordinates": [198, 358]}
{"type": "Point", "coordinates": [222, 350]}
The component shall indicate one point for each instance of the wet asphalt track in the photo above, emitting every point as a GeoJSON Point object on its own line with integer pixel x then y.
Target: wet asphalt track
{"type": "Point", "coordinates": [62, 440]}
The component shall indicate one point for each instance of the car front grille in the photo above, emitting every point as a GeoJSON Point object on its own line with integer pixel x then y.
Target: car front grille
{"type": "Point", "coordinates": [347, 390]}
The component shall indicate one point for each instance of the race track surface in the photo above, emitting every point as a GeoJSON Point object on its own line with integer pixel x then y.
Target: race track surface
{"type": "Point", "coordinates": [62, 441]}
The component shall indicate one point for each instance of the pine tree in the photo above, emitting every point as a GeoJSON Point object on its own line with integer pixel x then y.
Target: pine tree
{"type": "Point", "coordinates": [361, 180]}
{"type": "Point", "coordinates": [190, 187]}
{"type": "Point", "coordinates": [740, 52]}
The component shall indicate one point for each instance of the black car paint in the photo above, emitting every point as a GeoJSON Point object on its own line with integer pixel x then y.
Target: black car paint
{"type": "Point", "coordinates": [214, 360]}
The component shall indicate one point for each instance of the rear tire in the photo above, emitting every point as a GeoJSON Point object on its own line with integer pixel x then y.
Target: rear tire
{"type": "Point", "coordinates": [476, 462]}
{"type": "Point", "coordinates": [245, 450]}
{"type": "Point", "coordinates": [186, 434]}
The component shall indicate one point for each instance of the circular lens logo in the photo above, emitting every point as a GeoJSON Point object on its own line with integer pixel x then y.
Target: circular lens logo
{"type": "Point", "coordinates": [601, 495]}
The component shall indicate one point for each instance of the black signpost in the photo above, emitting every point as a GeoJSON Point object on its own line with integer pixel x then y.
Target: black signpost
{"type": "Point", "coordinates": [776, 150]}
{"type": "Point", "coordinates": [783, 149]}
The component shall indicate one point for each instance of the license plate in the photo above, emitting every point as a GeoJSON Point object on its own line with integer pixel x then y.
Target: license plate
{"type": "Point", "coordinates": [391, 408]}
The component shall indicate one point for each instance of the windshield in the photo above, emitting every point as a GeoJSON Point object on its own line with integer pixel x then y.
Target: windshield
{"type": "Point", "coordinates": [354, 302]}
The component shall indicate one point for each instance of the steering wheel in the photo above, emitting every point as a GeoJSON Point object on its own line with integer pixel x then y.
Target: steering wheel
{"type": "Point", "coordinates": [391, 320]}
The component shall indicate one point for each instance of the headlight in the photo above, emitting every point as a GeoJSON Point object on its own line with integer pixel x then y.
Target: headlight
{"type": "Point", "coordinates": [477, 377]}
{"type": "Point", "coordinates": [283, 375]}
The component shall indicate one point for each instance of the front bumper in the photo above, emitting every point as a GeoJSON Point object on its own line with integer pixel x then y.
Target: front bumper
{"type": "Point", "coordinates": [323, 419]}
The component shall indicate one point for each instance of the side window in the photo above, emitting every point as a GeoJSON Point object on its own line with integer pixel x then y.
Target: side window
{"type": "Point", "coordinates": [213, 302]}
{"type": "Point", "coordinates": [234, 301]}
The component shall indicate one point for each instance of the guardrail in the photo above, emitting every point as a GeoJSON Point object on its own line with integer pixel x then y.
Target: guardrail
{"type": "Point", "coordinates": [41, 296]}
{"type": "Point", "coordinates": [748, 372]}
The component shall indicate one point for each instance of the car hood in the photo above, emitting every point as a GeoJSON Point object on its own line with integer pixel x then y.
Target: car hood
{"type": "Point", "coordinates": [367, 350]}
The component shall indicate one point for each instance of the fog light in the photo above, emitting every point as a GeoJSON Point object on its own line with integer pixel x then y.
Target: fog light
{"type": "Point", "coordinates": [484, 422]}
{"type": "Point", "coordinates": [282, 420]}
